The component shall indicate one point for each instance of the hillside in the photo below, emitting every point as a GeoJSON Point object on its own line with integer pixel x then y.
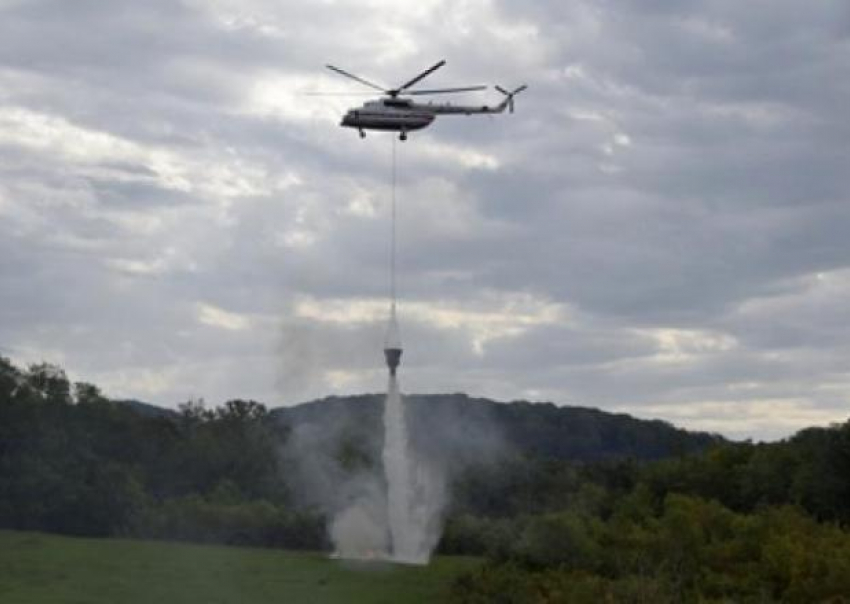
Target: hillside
{"type": "Point", "coordinates": [482, 426]}
{"type": "Point", "coordinates": [534, 429]}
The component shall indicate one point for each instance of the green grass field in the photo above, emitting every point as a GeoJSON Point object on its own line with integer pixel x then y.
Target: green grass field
{"type": "Point", "coordinates": [45, 569]}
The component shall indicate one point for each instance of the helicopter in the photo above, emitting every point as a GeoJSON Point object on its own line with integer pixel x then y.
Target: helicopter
{"type": "Point", "coordinates": [395, 113]}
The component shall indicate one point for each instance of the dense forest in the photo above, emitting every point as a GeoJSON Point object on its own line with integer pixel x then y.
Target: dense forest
{"type": "Point", "coordinates": [565, 504]}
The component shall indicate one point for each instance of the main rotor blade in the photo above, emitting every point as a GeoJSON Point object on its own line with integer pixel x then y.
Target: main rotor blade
{"type": "Point", "coordinates": [320, 93]}
{"type": "Point", "coordinates": [355, 78]}
{"type": "Point", "coordinates": [444, 90]}
{"type": "Point", "coordinates": [425, 73]}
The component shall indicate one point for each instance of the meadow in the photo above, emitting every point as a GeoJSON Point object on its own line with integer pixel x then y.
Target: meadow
{"type": "Point", "coordinates": [37, 568]}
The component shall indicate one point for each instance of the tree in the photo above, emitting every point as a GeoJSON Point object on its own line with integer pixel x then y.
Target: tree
{"type": "Point", "coordinates": [49, 382]}
{"type": "Point", "coordinates": [88, 394]}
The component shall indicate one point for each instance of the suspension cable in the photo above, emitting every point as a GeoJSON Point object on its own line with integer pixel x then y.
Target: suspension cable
{"type": "Point", "coordinates": [393, 232]}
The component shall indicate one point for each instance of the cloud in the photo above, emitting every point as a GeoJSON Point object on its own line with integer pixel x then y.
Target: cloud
{"type": "Point", "coordinates": [218, 317]}
{"type": "Point", "coordinates": [659, 228]}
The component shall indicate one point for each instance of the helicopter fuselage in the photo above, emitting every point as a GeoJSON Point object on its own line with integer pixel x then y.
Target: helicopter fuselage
{"type": "Point", "coordinates": [403, 115]}
{"type": "Point", "coordinates": [389, 115]}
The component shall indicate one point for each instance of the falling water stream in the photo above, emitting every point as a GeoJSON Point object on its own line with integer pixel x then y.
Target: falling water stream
{"type": "Point", "coordinates": [416, 493]}
{"type": "Point", "coordinates": [397, 467]}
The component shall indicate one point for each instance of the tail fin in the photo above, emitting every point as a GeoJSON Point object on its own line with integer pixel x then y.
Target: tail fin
{"type": "Point", "coordinates": [509, 98]}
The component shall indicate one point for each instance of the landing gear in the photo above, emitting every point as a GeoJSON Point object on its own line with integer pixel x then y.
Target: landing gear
{"type": "Point", "coordinates": [362, 134]}
{"type": "Point", "coordinates": [403, 135]}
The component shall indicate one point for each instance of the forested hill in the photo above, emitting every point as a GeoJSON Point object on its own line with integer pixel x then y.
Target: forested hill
{"type": "Point", "coordinates": [520, 427]}
{"type": "Point", "coordinates": [572, 503]}
{"type": "Point", "coordinates": [541, 430]}
{"type": "Point", "coordinates": [537, 429]}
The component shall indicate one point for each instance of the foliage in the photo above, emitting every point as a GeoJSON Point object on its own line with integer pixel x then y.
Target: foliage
{"type": "Point", "coordinates": [225, 517]}
{"type": "Point", "coordinates": [741, 522]}
{"type": "Point", "coordinates": [809, 470]}
{"type": "Point", "coordinates": [693, 551]}
{"type": "Point", "coordinates": [71, 461]}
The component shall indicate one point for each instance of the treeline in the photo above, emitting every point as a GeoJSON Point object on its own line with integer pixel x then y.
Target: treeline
{"type": "Point", "coordinates": [74, 462]}
{"type": "Point", "coordinates": [689, 550]}
{"type": "Point", "coordinates": [741, 522]}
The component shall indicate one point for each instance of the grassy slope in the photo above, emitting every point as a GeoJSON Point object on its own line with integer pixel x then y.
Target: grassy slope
{"type": "Point", "coordinates": [46, 569]}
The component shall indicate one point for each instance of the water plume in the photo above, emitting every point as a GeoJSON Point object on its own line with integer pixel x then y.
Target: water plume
{"type": "Point", "coordinates": [415, 489]}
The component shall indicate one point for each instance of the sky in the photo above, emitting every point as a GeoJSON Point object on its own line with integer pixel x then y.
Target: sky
{"type": "Point", "coordinates": [662, 228]}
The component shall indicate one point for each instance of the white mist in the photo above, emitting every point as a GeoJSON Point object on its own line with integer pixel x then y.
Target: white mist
{"type": "Point", "coordinates": [397, 467]}
{"type": "Point", "coordinates": [415, 490]}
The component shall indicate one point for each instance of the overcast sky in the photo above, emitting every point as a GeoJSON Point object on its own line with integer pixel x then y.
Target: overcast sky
{"type": "Point", "coordinates": [662, 228]}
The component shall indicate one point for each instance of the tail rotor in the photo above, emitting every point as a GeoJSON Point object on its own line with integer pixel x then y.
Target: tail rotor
{"type": "Point", "coordinates": [510, 95]}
